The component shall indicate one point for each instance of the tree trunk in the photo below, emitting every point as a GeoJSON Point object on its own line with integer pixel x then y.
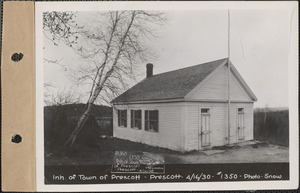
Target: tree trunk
{"type": "Point", "coordinates": [84, 117]}
{"type": "Point", "coordinates": [99, 84]}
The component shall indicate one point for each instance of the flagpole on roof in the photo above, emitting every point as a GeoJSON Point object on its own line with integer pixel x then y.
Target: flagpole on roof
{"type": "Point", "coordinates": [228, 77]}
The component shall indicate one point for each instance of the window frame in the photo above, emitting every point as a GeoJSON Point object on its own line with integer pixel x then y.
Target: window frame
{"type": "Point", "coordinates": [148, 121]}
{"type": "Point", "coordinates": [241, 112]}
{"type": "Point", "coordinates": [206, 108]}
{"type": "Point", "coordinates": [133, 119]}
{"type": "Point", "coordinates": [208, 133]}
{"type": "Point", "coordinates": [122, 116]}
{"type": "Point", "coordinates": [243, 128]}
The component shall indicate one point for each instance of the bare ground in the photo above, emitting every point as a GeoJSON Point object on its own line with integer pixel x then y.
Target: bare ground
{"type": "Point", "coordinates": [240, 154]}
{"type": "Point", "coordinates": [103, 153]}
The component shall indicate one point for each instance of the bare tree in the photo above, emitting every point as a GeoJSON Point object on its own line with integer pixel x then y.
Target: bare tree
{"type": "Point", "coordinates": [61, 27]}
{"type": "Point", "coordinates": [62, 96]}
{"type": "Point", "coordinates": [111, 49]}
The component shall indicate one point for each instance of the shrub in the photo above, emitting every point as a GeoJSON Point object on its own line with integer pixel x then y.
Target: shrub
{"type": "Point", "coordinates": [60, 121]}
{"type": "Point", "coordinates": [272, 126]}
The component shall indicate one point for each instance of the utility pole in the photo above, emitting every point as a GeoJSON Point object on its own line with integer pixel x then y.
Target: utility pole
{"type": "Point", "coordinates": [228, 77]}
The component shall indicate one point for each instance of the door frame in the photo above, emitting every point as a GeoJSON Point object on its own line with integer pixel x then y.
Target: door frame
{"type": "Point", "coordinates": [200, 146]}
{"type": "Point", "coordinates": [237, 124]}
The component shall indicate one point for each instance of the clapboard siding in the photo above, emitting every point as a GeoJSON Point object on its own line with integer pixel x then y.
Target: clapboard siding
{"type": "Point", "coordinates": [179, 124]}
{"type": "Point", "coordinates": [171, 125]}
{"type": "Point", "coordinates": [236, 90]}
{"type": "Point", "coordinates": [249, 122]}
{"type": "Point", "coordinates": [219, 121]}
{"type": "Point", "coordinates": [216, 88]}
{"type": "Point", "coordinates": [192, 127]}
{"type": "Point", "coordinates": [219, 129]}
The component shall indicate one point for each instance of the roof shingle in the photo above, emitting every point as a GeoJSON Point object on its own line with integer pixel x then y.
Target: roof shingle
{"type": "Point", "coordinates": [169, 85]}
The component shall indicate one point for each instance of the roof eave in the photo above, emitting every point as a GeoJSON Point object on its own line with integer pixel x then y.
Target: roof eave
{"type": "Point", "coordinates": [149, 101]}
{"type": "Point", "coordinates": [182, 100]}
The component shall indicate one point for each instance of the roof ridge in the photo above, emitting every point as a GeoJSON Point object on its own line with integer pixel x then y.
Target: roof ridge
{"type": "Point", "coordinates": [187, 67]}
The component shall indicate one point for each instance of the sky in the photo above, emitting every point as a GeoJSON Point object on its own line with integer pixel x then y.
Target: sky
{"type": "Point", "coordinates": [259, 48]}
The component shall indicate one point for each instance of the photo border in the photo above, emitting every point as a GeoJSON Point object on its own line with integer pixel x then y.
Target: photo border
{"type": "Point", "coordinates": [291, 6]}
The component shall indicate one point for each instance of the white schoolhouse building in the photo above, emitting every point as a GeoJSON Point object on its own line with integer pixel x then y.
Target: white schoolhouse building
{"type": "Point", "coordinates": [187, 109]}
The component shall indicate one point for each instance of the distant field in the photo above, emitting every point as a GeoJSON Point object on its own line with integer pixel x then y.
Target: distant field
{"type": "Point", "coordinates": [272, 126]}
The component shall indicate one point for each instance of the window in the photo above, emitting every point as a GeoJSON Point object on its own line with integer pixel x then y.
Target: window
{"type": "Point", "coordinates": [204, 111]}
{"type": "Point", "coordinates": [136, 119]}
{"type": "Point", "coordinates": [240, 110]}
{"type": "Point", "coordinates": [122, 118]}
{"type": "Point", "coordinates": [151, 120]}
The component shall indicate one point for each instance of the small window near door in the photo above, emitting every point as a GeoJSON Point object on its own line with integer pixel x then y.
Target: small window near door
{"type": "Point", "coordinates": [122, 118]}
{"type": "Point", "coordinates": [240, 110]}
{"type": "Point", "coordinates": [136, 119]}
{"type": "Point", "coordinates": [204, 111]}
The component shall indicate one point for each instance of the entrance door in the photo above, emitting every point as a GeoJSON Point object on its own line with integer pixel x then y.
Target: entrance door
{"type": "Point", "coordinates": [241, 126]}
{"type": "Point", "coordinates": [205, 127]}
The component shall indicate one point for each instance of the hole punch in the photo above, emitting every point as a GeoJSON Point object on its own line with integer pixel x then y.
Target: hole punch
{"type": "Point", "coordinates": [16, 138]}
{"type": "Point", "coordinates": [16, 57]}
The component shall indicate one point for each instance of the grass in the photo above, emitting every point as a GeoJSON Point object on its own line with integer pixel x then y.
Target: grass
{"type": "Point", "coordinates": [102, 153]}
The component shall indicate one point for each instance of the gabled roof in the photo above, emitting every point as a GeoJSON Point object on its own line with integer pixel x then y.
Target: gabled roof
{"type": "Point", "coordinates": [169, 85]}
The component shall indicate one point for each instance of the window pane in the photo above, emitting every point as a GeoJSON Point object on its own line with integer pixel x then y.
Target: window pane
{"type": "Point", "coordinates": [146, 120]}
{"type": "Point", "coordinates": [204, 110]}
{"type": "Point", "coordinates": [138, 114]}
{"type": "Point", "coordinates": [140, 124]}
{"type": "Point", "coordinates": [124, 118]}
{"type": "Point", "coordinates": [151, 120]}
{"type": "Point", "coordinates": [153, 115]}
{"type": "Point", "coordinates": [152, 125]}
{"type": "Point", "coordinates": [131, 118]}
{"type": "Point", "coordinates": [156, 126]}
{"type": "Point", "coordinates": [146, 125]}
{"type": "Point", "coordinates": [137, 123]}
{"type": "Point", "coordinates": [119, 117]}
{"type": "Point", "coordinates": [146, 114]}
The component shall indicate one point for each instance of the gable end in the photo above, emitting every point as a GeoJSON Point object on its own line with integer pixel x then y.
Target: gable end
{"type": "Point", "coordinates": [215, 87]}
